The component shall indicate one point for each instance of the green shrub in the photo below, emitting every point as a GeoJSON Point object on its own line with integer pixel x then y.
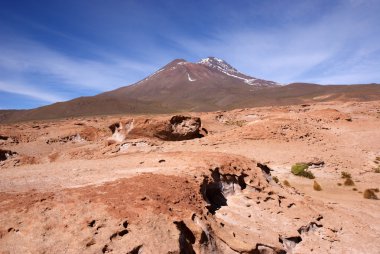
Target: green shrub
{"type": "Point", "coordinates": [300, 169]}
{"type": "Point", "coordinates": [345, 175]}
{"type": "Point", "coordinates": [369, 194]}
{"type": "Point", "coordinates": [275, 178]}
{"type": "Point", "coordinates": [308, 174]}
{"type": "Point", "coordinates": [316, 186]}
{"type": "Point", "coordinates": [377, 170]}
{"type": "Point", "coordinates": [349, 182]}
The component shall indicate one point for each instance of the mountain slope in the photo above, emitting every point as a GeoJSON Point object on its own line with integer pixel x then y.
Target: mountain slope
{"type": "Point", "coordinates": [208, 85]}
{"type": "Point", "coordinates": [184, 80]}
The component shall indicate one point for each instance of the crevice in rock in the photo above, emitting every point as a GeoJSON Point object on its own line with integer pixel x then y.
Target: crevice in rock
{"type": "Point", "coordinates": [92, 223]}
{"type": "Point", "coordinates": [114, 127]}
{"type": "Point", "coordinates": [264, 168]}
{"type": "Point", "coordinates": [113, 236]}
{"type": "Point", "coordinates": [290, 242]}
{"type": "Point", "coordinates": [241, 181]}
{"type": "Point", "coordinates": [90, 243]}
{"type": "Point", "coordinates": [291, 205]}
{"type": "Point", "coordinates": [136, 250]}
{"type": "Point", "coordinates": [123, 232]}
{"type": "Point", "coordinates": [266, 249]}
{"type": "Point", "coordinates": [5, 154]}
{"type": "Point", "coordinates": [268, 198]}
{"type": "Point", "coordinates": [207, 241]}
{"type": "Point", "coordinates": [204, 238]}
{"type": "Point", "coordinates": [120, 233]}
{"type": "Point", "coordinates": [280, 198]}
{"type": "Point", "coordinates": [106, 249]}
{"type": "Point", "coordinates": [3, 137]}
{"type": "Point", "coordinates": [266, 171]}
{"type": "Point", "coordinates": [186, 238]}
{"type": "Point", "coordinates": [312, 226]}
{"type": "Point", "coordinates": [216, 191]}
{"type": "Point", "coordinates": [214, 196]}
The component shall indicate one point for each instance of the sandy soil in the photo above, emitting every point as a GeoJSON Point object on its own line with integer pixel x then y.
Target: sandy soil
{"type": "Point", "coordinates": [74, 186]}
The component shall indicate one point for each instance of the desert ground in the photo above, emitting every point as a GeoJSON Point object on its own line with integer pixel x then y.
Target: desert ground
{"type": "Point", "coordinates": [208, 182]}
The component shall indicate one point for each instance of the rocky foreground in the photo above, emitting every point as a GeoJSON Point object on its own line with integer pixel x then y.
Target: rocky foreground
{"type": "Point", "coordinates": [216, 182]}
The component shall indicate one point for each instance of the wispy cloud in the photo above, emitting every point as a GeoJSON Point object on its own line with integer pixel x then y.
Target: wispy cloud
{"type": "Point", "coordinates": [329, 48]}
{"type": "Point", "coordinates": [31, 69]}
{"type": "Point", "coordinates": [29, 91]}
{"type": "Point", "coordinates": [26, 56]}
{"type": "Point", "coordinates": [89, 48]}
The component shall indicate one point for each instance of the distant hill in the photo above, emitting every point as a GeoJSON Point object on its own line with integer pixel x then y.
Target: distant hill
{"type": "Point", "coordinates": [208, 85]}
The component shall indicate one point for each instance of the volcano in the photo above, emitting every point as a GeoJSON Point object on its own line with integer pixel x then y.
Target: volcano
{"type": "Point", "coordinates": [181, 86]}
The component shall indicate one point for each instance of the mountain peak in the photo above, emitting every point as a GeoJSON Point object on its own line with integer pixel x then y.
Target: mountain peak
{"type": "Point", "coordinates": [195, 72]}
{"type": "Point", "coordinates": [217, 63]}
{"type": "Point", "coordinates": [211, 59]}
{"type": "Point", "coordinates": [224, 67]}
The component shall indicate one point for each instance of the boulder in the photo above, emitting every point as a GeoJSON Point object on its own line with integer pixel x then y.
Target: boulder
{"type": "Point", "coordinates": [177, 128]}
{"type": "Point", "coordinates": [180, 128]}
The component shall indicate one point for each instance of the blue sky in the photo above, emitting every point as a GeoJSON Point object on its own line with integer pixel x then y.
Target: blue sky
{"type": "Point", "coordinates": [58, 50]}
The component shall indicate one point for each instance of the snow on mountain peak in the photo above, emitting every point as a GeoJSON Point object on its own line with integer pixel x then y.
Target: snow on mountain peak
{"type": "Point", "coordinates": [219, 64]}
{"type": "Point", "coordinates": [227, 69]}
{"type": "Point", "coordinates": [213, 63]}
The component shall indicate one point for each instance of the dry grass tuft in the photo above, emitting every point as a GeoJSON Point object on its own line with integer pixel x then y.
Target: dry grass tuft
{"type": "Point", "coordinates": [369, 194]}
{"type": "Point", "coordinates": [286, 183]}
{"type": "Point", "coordinates": [349, 182]}
{"type": "Point", "coordinates": [345, 175]}
{"type": "Point", "coordinates": [239, 123]}
{"type": "Point", "coordinates": [316, 186]}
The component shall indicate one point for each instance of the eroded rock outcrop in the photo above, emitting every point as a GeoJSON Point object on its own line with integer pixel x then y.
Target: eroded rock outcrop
{"type": "Point", "coordinates": [181, 128]}
{"type": "Point", "coordinates": [176, 129]}
{"type": "Point", "coordinates": [226, 206]}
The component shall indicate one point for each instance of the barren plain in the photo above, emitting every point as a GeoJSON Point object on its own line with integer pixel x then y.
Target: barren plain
{"type": "Point", "coordinates": [215, 182]}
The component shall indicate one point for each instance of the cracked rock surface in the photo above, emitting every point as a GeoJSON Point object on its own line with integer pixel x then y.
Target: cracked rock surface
{"type": "Point", "coordinates": [198, 183]}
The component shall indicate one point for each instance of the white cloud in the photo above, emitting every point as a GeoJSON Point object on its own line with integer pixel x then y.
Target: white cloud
{"type": "Point", "coordinates": [21, 61]}
{"type": "Point", "coordinates": [339, 46]}
{"type": "Point", "coordinates": [27, 90]}
{"type": "Point", "coordinates": [25, 56]}
{"type": "Point", "coordinates": [328, 46]}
